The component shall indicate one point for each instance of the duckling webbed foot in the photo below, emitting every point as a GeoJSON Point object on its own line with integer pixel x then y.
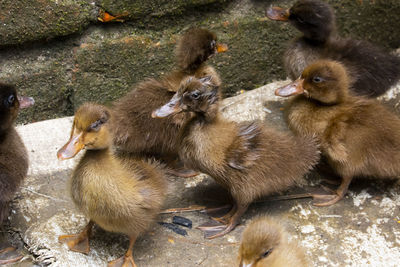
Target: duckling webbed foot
{"type": "Point", "coordinates": [177, 168]}
{"type": "Point", "coordinates": [225, 218]}
{"type": "Point", "coordinates": [232, 218]}
{"type": "Point", "coordinates": [9, 255]}
{"type": "Point", "coordinates": [127, 259]}
{"type": "Point", "coordinates": [213, 230]}
{"type": "Point", "coordinates": [124, 261]}
{"type": "Point", "coordinates": [322, 200]}
{"type": "Point", "coordinates": [78, 242]}
{"type": "Point", "coordinates": [184, 173]}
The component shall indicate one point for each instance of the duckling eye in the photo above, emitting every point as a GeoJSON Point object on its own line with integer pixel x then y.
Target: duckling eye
{"type": "Point", "coordinates": [11, 99]}
{"type": "Point", "coordinates": [213, 44]}
{"type": "Point", "coordinates": [317, 79]}
{"type": "Point", "coordinates": [195, 95]}
{"type": "Point", "coordinates": [266, 253]}
{"type": "Point", "coordinates": [95, 126]}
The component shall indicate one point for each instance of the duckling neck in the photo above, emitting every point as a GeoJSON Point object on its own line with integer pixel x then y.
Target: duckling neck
{"type": "Point", "coordinates": [5, 131]}
{"type": "Point", "coordinates": [320, 38]}
{"type": "Point", "coordinates": [98, 154]}
{"type": "Point", "coordinates": [192, 67]}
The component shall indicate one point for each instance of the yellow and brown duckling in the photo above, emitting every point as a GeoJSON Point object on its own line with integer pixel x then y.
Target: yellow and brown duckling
{"type": "Point", "coordinates": [373, 70]}
{"type": "Point", "coordinates": [248, 159]}
{"type": "Point", "coordinates": [359, 136]}
{"type": "Point", "coordinates": [13, 154]}
{"type": "Point", "coordinates": [265, 243]}
{"type": "Point", "coordinates": [135, 131]}
{"type": "Point", "coordinates": [120, 194]}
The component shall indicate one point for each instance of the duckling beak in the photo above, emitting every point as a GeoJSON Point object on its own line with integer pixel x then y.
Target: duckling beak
{"type": "Point", "coordinates": [295, 88]}
{"type": "Point", "coordinates": [25, 102]}
{"type": "Point", "coordinates": [71, 148]}
{"type": "Point", "coordinates": [278, 13]}
{"type": "Point", "coordinates": [221, 48]}
{"type": "Point", "coordinates": [172, 107]}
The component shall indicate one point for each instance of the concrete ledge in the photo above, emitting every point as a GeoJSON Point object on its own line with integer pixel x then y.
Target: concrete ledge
{"type": "Point", "coordinates": [361, 230]}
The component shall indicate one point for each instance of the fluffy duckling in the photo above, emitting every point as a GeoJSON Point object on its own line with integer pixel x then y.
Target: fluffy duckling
{"type": "Point", "coordinates": [372, 69]}
{"type": "Point", "coordinates": [265, 244]}
{"type": "Point", "coordinates": [13, 154]}
{"type": "Point", "coordinates": [248, 159]}
{"type": "Point", "coordinates": [359, 136]}
{"type": "Point", "coordinates": [134, 130]}
{"type": "Point", "coordinates": [121, 195]}
{"type": "Point", "coordinates": [194, 48]}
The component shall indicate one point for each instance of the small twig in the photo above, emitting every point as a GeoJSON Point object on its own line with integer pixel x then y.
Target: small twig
{"type": "Point", "coordinates": [43, 195]}
{"type": "Point", "coordinates": [331, 216]}
{"type": "Point", "coordinates": [232, 103]}
{"type": "Point", "coordinates": [203, 260]}
{"type": "Point", "coordinates": [286, 197]}
{"type": "Point", "coordinates": [184, 240]}
{"type": "Point", "coordinates": [194, 208]}
{"type": "Point", "coordinates": [187, 209]}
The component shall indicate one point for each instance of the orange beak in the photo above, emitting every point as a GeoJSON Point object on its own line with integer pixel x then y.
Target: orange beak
{"type": "Point", "coordinates": [71, 148]}
{"type": "Point", "coordinates": [221, 48]}
{"type": "Point", "coordinates": [278, 13]}
{"type": "Point", "coordinates": [295, 88]}
{"type": "Point", "coordinates": [172, 107]}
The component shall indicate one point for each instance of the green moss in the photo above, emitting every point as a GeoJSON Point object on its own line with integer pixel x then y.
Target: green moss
{"type": "Point", "coordinates": [115, 56]}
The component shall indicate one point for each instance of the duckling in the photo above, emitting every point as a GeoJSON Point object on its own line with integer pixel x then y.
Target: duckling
{"type": "Point", "coordinates": [248, 159]}
{"type": "Point", "coordinates": [373, 70]}
{"type": "Point", "coordinates": [265, 243]}
{"type": "Point", "coordinates": [120, 194]}
{"type": "Point", "coordinates": [358, 136]}
{"type": "Point", "coordinates": [13, 155]}
{"type": "Point", "coordinates": [134, 130]}
{"type": "Point", "coordinates": [194, 48]}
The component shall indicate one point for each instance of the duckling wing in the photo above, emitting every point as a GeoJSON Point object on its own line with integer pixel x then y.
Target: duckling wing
{"type": "Point", "coordinates": [334, 139]}
{"type": "Point", "coordinates": [244, 151]}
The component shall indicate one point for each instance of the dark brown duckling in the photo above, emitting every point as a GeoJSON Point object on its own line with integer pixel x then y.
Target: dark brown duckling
{"type": "Point", "coordinates": [373, 70]}
{"type": "Point", "coordinates": [359, 136]}
{"type": "Point", "coordinates": [13, 154]}
{"type": "Point", "coordinates": [265, 243]}
{"type": "Point", "coordinates": [194, 48]}
{"type": "Point", "coordinates": [120, 194]}
{"type": "Point", "coordinates": [134, 130]}
{"type": "Point", "coordinates": [248, 159]}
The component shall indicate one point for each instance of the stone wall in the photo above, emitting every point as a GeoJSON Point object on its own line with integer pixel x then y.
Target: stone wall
{"type": "Point", "coordinates": [60, 53]}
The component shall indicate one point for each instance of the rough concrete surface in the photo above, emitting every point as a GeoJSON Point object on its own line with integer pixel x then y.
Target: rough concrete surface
{"type": "Point", "coordinates": [361, 230]}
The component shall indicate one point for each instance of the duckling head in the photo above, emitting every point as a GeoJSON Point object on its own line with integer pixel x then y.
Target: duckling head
{"type": "Point", "coordinates": [262, 243]}
{"type": "Point", "coordinates": [315, 19]}
{"type": "Point", "coordinates": [89, 130]}
{"type": "Point", "coordinates": [195, 47]}
{"type": "Point", "coordinates": [194, 95]}
{"type": "Point", "coordinates": [10, 103]}
{"type": "Point", "coordinates": [325, 81]}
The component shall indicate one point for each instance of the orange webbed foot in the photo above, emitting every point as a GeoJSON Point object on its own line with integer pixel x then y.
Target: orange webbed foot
{"type": "Point", "coordinates": [77, 243]}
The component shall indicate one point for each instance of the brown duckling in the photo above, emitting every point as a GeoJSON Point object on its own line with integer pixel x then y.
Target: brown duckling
{"type": "Point", "coordinates": [13, 154]}
{"type": "Point", "coordinates": [134, 130]}
{"type": "Point", "coordinates": [373, 70]}
{"type": "Point", "coordinates": [265, 243]}
{"type": "Point", "coordinates": [359, 136]}
{"type": "Point", "coordinates": [120, 194]}
{"type": "Point", "coordinates": [194, 48]}
{"type": "Point", "coordinates": [248, 159]}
